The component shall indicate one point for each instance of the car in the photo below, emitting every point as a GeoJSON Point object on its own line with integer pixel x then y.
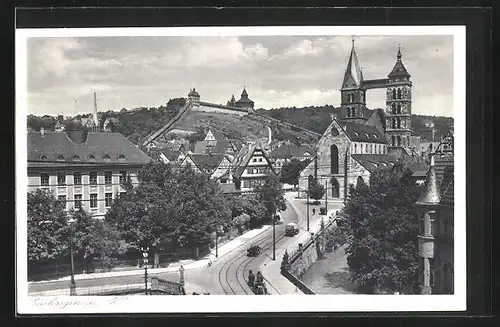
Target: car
{"type": "Point", "coordinates": [278, 220]}
{"type": "Point", "coordinates": [254, 251]}
{"type": "Point", "coordinates": [291, 229]}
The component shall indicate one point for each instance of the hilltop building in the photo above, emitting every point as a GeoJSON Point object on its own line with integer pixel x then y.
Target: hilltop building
{"type": "Point", "coordinates": [84, 171]}
{"type": "Point", "coordinates": [241, 107]}
{"type": "Point", "coordinates": [359, 140]}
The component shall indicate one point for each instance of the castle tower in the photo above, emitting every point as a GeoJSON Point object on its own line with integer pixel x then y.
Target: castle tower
{"type": "Point", "coordinates": [398, 106]}
{"type": "Point", "coordinates": [194, 97]}
{"type": "Point", "coordinates": [244, 102]}
{"type": "Point", "coordinates": [353, 101]}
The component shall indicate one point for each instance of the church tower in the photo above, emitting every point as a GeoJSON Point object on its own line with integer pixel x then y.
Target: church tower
{"type": "Point", "coordinates": [398, 106]}
{"type": "Point", "coordinates": [353, 100]}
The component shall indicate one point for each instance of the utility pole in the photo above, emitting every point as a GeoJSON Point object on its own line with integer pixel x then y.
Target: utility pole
{"type": "Point", "coordinates": [307, 211]}
{"type": "Point", "coordinates": [145, 261]}
{"type": "Point", "coordinates": [274, 238]}
{"type": "Point", "coordinates": [326, 198]}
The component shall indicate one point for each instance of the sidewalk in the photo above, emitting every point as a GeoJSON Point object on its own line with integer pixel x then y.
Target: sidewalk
{"type": "Point", "coordinates": [174, 267]}
{"type": "Point", "coordinates": [272, 269]}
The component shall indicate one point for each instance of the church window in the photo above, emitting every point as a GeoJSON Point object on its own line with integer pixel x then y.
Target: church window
{"type": "Point", "coordinates": [394, 93]}
{"type": "Point", "coordinates": [399, 109]}
{"type": "Point", "coordinates": [348, 112]}
{"type": "Point", "coordinates": [334, 131]}
{"type": "Point", "coordinates": [335, 188]}
{"type": "Point", "coordinates": [399, 140]}
{"type": "Point", "coordinates": [399, 93]}
{"type": "Point", "coordinates": [393, 121]}
{"type": "Point", "coordinates": [334, 159]}
{"type": "Point", "coordinates": [393, 140]}
{"type": "Point", "coordinates": [354, 112]}
{"type": "Point", "coordinates": [359, 181]}
{"type": "Point", "coordinates": [399, 122]}
{"type": "Point", "coordinates": [393, 109]}
{"type": "Point", "coordinates": [408, 140]}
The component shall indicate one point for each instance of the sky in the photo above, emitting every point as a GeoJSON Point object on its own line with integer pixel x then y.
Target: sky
{"type": "Point", "coordinates": [277, 71]}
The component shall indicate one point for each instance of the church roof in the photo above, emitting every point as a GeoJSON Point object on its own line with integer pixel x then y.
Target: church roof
{"type": "Point", "coordinates": [57, 149]}
{"type": "Point", "coordinates": [373, 162]}
{"type": "Point", "coordinates": [353, 71]}
{"type": "Point", "coordinates": [399, 69]}
{"type": "Point", "coordinates": [244, 98]}
{"type": "Point", "coordinates": [362, 133]}
{"type": "Point", "coordinates": [291, 150]}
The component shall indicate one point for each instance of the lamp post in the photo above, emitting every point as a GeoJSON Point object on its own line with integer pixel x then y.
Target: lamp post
{"type": "Point", "coordinates": [145, 261]}
{"type": "Point", "coordinates": [307, 203]}
{"type": "Point", "coordinates": [274, 237]}
{"type": "Point", "coordinates": [326, 198]}
{"type": "Point", "coordinates": [72, 285]}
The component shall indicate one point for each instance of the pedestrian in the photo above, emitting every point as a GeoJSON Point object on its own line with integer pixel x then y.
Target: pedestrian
{"type": "Point", "coordinates": [251, 278]}
{"type": "Point", "coordinates": [314, 211]}
{"type": "Point", "coordinates": [260, 278]}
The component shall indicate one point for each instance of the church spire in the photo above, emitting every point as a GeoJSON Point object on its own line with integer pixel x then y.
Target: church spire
{"type": "Point", "coordinates": [353, 75]}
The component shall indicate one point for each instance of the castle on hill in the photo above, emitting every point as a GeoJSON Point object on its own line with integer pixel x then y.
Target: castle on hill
{"type": "Point", "coordinates": [241, 107]}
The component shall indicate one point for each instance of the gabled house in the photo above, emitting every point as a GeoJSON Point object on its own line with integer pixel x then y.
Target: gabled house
{"type": "Point", "coordinates": [284, 154]}
{"type": "Point", "coordinates": [252, 168]}
{"type": "Point", "coordinates": [214, 166]}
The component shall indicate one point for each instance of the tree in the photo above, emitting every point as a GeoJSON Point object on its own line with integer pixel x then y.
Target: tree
{"type": "Point", "coordinates": [315, 190]}
{"type": "Point", "coordinates": [382, 250]}
{"type": "Point", "coordinates": [290, 172]}
{"type": "Point", "coordinates": [249, 205]}
{"type": "Point", "coordinates": [47, 227]}
{"type": "Point", "coordinates": [270, 195]}
{"type": "Point", "coordinates": [170, 208]}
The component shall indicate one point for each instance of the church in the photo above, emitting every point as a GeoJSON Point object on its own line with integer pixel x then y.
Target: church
{"type": "Point", "coordinates": [359, 140]}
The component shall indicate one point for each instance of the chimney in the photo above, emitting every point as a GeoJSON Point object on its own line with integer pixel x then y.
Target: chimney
{"type": "Point", "coordinates": [96, 120]}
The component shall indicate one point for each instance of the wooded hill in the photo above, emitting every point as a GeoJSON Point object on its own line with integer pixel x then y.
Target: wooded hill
{"type": "Point", "coordinates": [136, 124]}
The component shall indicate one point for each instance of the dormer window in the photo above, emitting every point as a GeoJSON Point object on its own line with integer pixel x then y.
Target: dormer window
{"type": "Point", "coordinates": [121, 157]}
{"type": "Point", "coordinates": [366, 135]}
{"type": "Point", "coordinates": [76, 158]}
{"type": "Point", "coordinates": [106, 157]}
{"type": "Point", "coordinates": [374, 136]}
{"type": "Point", "coordinates": [92, 157]}
{"type": "Point", "coordinates": [60, 157]}
{"type": "Point", "coordinates": [43, 157]}
{"type": "Point", "coordinates": [356, 133]}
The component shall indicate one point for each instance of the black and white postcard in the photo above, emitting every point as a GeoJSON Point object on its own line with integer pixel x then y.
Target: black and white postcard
{"type": "Point", "coordinates": [240, 169]}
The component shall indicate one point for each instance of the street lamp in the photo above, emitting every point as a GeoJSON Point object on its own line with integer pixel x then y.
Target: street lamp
{"type": "Point", "coordinates": [145, 262]}
{"type": "Point", "coordinates": [72, 285]}
{"type": "Point", "coordinates": [218, 231]}
{"type": "Point", "coordinates": [326, 197]}
{"type": "Point", "coordinates": [307, 211]}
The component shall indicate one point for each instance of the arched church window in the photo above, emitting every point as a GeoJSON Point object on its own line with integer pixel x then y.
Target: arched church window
{"type": "Point", "coordinates": [354, 112]}
{"type": "Point", "coordinates": [334, 159]}
{"type": "Point", "coordinates": [393, 123]}
{"type": "Point", "coordinates": [393, 141]}
{"type": "Point", "coordinates": [399, 140]}
{"type": "Point", "coordinates": [393, 109]}
{"type": "Point", "coordinates": [399, 122]}
{"type": "Point", "coordinates": [335, 188]}
{"type": "Point", "coordinates": [399, 109]}
{"type": "Point", "coordinates": [359, 181]}
{"type": "Point", "coordinates": [348, 112]}
{"type": "Point", "coordinates": [399, 93]}
{"type": "Point", "coordinates": [334, 132]}
{"type": "Point", "coordinates": [394, 93]}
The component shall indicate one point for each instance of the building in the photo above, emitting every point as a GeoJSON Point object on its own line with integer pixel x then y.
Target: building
{"type": "Point", "coordinates": [282, 155]}
{"type": "Point", "coordinates": [240, 108]}
{"type": "Point", "coordinates": [252, 167]}
{"type": "Point", "coordinates": [359, 140]}
{"type": "Point", "coordinates": [435, 208]}
{"type": "Point", "coordinates": [214, 166]}
{"type": "Point", "coordinates": [83, 170]}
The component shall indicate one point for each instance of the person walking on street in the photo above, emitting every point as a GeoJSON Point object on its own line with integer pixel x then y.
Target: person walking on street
{"type": "Point", "coordinates": [314, 211]}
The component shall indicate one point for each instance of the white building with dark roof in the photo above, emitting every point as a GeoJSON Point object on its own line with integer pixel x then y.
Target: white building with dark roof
{"type": "Point", "coordinates": [83, 170]}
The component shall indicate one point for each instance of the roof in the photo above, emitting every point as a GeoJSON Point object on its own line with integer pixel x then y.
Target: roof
{"type": "Point", "coordinates": [292, 150]}
{"type": "Point", "coordinates": [228, 188]}
{"type": "Point", "coordinates": [105, 148]}
{"type": "Point", "coordinates": [244, 98]}
{"type": "Point", "coordinates": [220, 106]}
{"type": "Point", "coordinates": [439, 187]}
{"type": "Point", "coordinates": [373, 162]}
{"type": "Point", "coordinates": [206, 162]}
{"type": "Point", "coordinates": [218, 135]}
{"type": "Point", "coordinates": [399, 69]}
{"type": "Point", "coordinates": [353, 71]}
{"type": "Point", "coordinates": [362, 133]}
{"type": "Point", "coordinates": [243, 158]}
{"type": "Point", "coordinates": [170, 154]}
{"type": "Point", "coordinates": [193, 93]}
{"type": "Point", "coordinates": [205, 147]}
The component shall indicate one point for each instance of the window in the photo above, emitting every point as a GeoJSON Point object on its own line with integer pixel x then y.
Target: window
{"type": "Point", "coordinates": [355, 148]}
{"type": "Point", "coordinates": [432, 221]}
{"type": "Point", "coordinates": [354, 112]}
{"type": "Point", "coordinates": [93, 200]}
{"type": "Point", "coordinates": [108, 199]}
{"type": "Point", "coordinates": [107, 177]}
{"type": "Point", "coordinates": [106, 157]}
{"type": "Point", "coordinates": [334, 131]}
{"type": "Point", "coordinates": [260, 159]}
{"type": "Point", "coordinates": [121, 157]}
{"type": "Point", "coordinates": [393, 123]}
{"type": "Point", "coordinates": [393, 109]}
{"type": "Point", "coordinates": [77, 178]}
{"type": "Point", "coordinates": [399, 140]}
{"type": "Point", "coordinates": [78, 201]}
{"type": "Point", "coordinates": [394, 93]}
{"type": "Point", "coordinates": [334, 159]}
{"type": "Point", "coordinates": [361, 148]}
{"type": "Point", "coordinates": [370, 148]}
{"type": "Point", "coordinates": [432, 270]}
{"type": "Point", "coordinates": [93, 178]}
{"type": "Point", "coordinates": [123, 177]}
{"type": "Point", "coordinates": [44, 180]}
{"type": "Point", "coordinates": [421, 228]}
{"type": "Point", "coordinates": [399, 122]}
{"type": "Point", "coordinates": [92, 157]}
{"type": "Point", "coordinates": [61, 179]}
{"type": "Point", "coordinates": [399, 93]}
{"type": "Point", "coordinates": [43, 157]}
{"type": "Point", "coordinates": [76, 158]}
{"type": "Point", "coordinates": [62, 199]}
{"type": "Point", "coordinates": [249, 170]}
{"type": "Point", "coordinates": [60, 157]}
{"type": "Point", "coordinates": [399, 109]}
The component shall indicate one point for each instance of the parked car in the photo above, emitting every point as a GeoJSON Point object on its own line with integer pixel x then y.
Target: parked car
{"type": "Point", "coordinates": [254, 251]}
{"type": "Point", "coordinates": [291, 229]}
{"type": "Point", "coordinates": [278, 220]}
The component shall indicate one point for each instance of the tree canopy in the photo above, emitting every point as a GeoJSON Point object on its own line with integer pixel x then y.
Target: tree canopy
{"type": "Point", "coordinates": [315, 190]}
{"type": "Point", "coordinates": [270, 194]}
{"type": "Point", "coordinates": [171, 207]}
{"type": "Point", "coordinates": [290, 172]}
{"type": "Point", "coordinates": [382, 250]}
